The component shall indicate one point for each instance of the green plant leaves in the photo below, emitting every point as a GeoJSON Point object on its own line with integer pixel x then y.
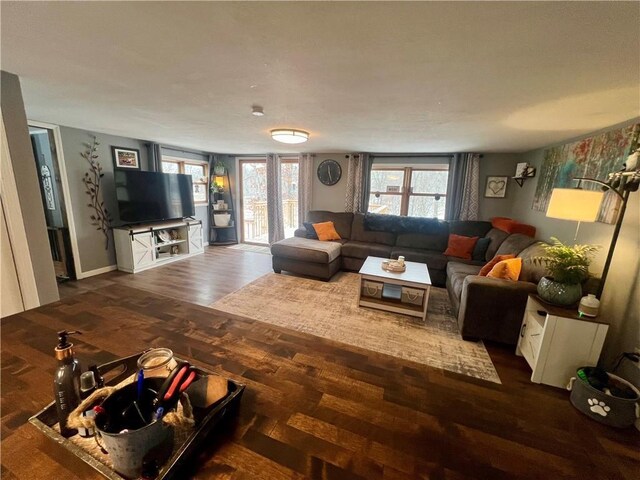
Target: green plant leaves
{"type": "Point", "coordinates": [566, 264]}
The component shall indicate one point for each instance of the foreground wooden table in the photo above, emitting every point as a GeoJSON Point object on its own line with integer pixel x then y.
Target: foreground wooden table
{"type": "Point", "coordinates": [312, 408]}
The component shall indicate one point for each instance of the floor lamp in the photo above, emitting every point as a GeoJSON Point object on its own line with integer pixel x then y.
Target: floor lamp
{"type": "Point", "coordinates": [583, 205]}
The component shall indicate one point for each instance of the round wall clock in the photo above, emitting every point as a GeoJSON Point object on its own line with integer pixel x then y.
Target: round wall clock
{"type": "Point", "coordinates": [329, 172]}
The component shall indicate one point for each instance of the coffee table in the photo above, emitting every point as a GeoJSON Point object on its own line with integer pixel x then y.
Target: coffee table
{"type": "Point", "coordinates": [416, 276]}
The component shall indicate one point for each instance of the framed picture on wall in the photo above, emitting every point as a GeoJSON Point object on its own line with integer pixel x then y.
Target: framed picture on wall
{"type": "Point", "coordinates": [496, 187]}
{"type": "Point", "coordinates": [126, 158]}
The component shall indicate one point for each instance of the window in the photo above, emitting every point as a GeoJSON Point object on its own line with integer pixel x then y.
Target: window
{"type": "Point", "coordinates": [413, 191]}
{"type": "Point", "coordinates": [198, 172]}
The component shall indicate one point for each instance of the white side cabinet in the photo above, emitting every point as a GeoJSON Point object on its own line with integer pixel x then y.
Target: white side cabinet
{"type": "Point", "coordinates": [141, 247]}
{"type": "Point", "coordinates": [556, 342]}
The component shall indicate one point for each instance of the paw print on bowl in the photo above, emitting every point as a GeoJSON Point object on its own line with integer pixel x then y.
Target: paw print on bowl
{"type": "Point", "coordinates": [598, 407]}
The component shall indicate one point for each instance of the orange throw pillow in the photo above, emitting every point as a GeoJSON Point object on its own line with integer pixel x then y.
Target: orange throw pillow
{"type": "Point", "coordinates": [326, 231]}
{"type": "Point", "coordinates": [502, 223]}
{"type": "Point", "coordinates": [507, 269]}
{"type": "Point", "coordinates": [512, 226]}
{"type": "Point", "coordinates": [492, 263]}
{"type": "Point", "coordinates": [460, 246]}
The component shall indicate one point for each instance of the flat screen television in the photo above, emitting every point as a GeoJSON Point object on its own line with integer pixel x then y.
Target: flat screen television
{"type": "Point", "coordinates": [153, 196]}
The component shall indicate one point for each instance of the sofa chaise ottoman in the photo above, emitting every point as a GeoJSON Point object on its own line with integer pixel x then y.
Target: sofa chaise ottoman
{"type": "Point", "coordinates": [307, 257]}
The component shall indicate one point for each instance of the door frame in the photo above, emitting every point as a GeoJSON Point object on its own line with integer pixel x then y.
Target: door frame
{"type": "Point", "coordinates": [15, 226]}
{"type": "Point", "coordinates": [66, 192]}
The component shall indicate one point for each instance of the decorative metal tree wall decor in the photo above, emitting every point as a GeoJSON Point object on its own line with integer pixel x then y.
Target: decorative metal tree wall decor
{"type": "Point", "coordinates": [101, 218]}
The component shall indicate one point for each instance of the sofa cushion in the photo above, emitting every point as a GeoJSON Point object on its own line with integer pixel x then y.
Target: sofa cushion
{"type": "Point", "coordinates": [306, 250]}
{"type": "Point", "coordinates": [478, 263]}
{"type": "Point", "coordinates": [360, 234]}
{"type": "Point", "coordinates": [531, 272]}
{"type": "Point", "coordinates": [341, 220]}
{"type": "Point", "coordinates": [458, 267]}
{"type": "Point", "coordinates": [434, 260]}
{"type": "Point", "coordinates": [363, 250]}
{"type": "Point", "coordinates": [469, 228]}
{"type": "Point", "coordinates": [497, 236]}
{"type": "Point", "coordinates": [437, 240]}
{"type": "Point", "coordinates": [402, 224]}
{"type": "Point", "coordinates": [457, 282]}
{"type": "Point", "coordinates": [456, 273]}
{"type": "Point", "coordinates": [514, 244]}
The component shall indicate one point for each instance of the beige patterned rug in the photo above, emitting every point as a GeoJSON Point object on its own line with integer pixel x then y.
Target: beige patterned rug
{"type": "Point", "coordinates": [330, 310]}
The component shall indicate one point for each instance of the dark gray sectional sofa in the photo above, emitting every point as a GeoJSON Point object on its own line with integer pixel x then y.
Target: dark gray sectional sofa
{"type": "Point", "coordinates": [486, 308]}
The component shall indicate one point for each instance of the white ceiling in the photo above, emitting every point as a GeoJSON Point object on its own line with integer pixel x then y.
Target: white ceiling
{"type": "Point", "coordinates": [379, 77]}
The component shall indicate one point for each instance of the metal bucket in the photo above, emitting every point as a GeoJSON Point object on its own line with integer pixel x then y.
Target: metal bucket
{"type": "Point", "coordinates": [129, 449]}
{"type": "Point", "coordinates": [603, 408]}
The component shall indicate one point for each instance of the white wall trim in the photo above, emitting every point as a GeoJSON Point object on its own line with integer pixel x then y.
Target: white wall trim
{"type": "Point", "coordinates": [98, 271]}
{"type": "Point", "coordinates": [15, 226]}
{"type": "Point", "coordinates": [66, 193]}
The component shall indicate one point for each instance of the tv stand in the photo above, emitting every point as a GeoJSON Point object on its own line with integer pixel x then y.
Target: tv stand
{"type": "Point", "coordinates": [149, 245]}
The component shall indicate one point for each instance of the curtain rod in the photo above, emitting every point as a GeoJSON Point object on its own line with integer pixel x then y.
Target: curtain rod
{"type": "Point", "coordinates": [186, 150]}
{"type": "Point", "coordinates": [413, 155]}
{"type": "Point", "coordinates": [409, 155]}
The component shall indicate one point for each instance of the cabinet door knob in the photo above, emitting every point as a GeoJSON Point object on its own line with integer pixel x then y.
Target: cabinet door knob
{"type": "Point", "coordinates": [524, 325]}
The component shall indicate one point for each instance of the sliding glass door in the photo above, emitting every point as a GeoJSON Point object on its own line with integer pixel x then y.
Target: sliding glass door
{"type": "Point", "coordinates": [253, 201]}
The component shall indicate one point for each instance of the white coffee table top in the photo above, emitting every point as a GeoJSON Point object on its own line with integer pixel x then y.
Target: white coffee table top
{"type": "Point", "coordinates": [415, 272]}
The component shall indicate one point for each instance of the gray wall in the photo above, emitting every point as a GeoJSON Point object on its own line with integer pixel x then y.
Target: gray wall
{"type": "Point", "coordinates": [329, 198]}
{"type": "Point", "coordinates": [502, 165]}
{"type": "Point", "coordinates": [26, 177]}
{"type": "Point", "coordinates": [621, 297]}
{"type": "Point", "coordinates": [91, 242]}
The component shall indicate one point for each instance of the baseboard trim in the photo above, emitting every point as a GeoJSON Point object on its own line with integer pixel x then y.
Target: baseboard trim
{"type": "Point", "coordinates": [97, 271]}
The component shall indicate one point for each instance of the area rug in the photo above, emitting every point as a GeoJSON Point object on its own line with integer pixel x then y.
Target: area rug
{"type": "Point", "coordinates": [251, 248]}
{"type": "Point", "coordinates": [330, 310]}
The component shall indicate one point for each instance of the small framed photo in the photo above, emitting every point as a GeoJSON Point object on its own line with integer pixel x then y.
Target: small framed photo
{"type": "Point", "coordinates": [496, 187]}
{"type": "Point", "coordinates": [126, 158]}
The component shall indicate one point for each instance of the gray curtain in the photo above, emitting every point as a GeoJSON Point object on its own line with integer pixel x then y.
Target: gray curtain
{"type": "Point", "coordinates": [358, 183]}
{"type": "Point", "coordinates": [155, 157]}
{"type": "Point", "coordinates": [463, 187]}
{"type": "Point", "coordinates": [274, 199]}
{"type": "Point", "coordinates": [305, 185]}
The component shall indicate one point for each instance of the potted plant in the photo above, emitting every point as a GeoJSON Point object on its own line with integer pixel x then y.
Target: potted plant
{"type": "Point", "coordinates": [219, 168]}
{"type": "Point", "coordinates": [567, 267]}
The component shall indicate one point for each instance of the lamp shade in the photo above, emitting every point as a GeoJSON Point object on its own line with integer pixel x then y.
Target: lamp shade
{"type": "Point", "coordinates": [289, 135]}
{"type": "Point", "coordinates": [574, 204]}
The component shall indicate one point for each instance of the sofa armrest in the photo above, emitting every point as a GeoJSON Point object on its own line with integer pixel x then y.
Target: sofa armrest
{"type": "Point", "coordinates": [492, 308]}
{"type": "Point", "coordinates": [300, 232]}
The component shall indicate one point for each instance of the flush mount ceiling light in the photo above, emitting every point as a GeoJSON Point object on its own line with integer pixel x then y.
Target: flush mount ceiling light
{"type": "Point", "coordinates": [289, 135]}
{"type": "Point", "coordinates": [257, 111]}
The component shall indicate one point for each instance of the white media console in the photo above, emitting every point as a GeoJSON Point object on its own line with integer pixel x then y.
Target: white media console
{"type": "Point", "coordinates": [150, 245]}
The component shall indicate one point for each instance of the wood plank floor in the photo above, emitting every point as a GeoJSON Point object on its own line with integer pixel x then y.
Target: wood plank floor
{"type": "Point", "coordinates": [313, 408]}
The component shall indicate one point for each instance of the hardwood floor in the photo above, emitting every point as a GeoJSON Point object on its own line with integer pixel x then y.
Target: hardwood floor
{"type": "Point", "coordinates": [201, 279]}
{"type": "Point", "coordinates": [312, 408]}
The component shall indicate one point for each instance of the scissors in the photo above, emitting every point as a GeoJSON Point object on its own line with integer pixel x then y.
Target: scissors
{"type": "Point", "coordinates": [176, 383]}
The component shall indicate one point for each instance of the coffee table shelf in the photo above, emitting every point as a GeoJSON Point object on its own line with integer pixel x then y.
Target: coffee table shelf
{"type": "Point", "coordinates": [416, 277]}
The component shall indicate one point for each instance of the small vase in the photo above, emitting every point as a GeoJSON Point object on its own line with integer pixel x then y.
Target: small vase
{"type": "Point", "coordinates": [556, 293]}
